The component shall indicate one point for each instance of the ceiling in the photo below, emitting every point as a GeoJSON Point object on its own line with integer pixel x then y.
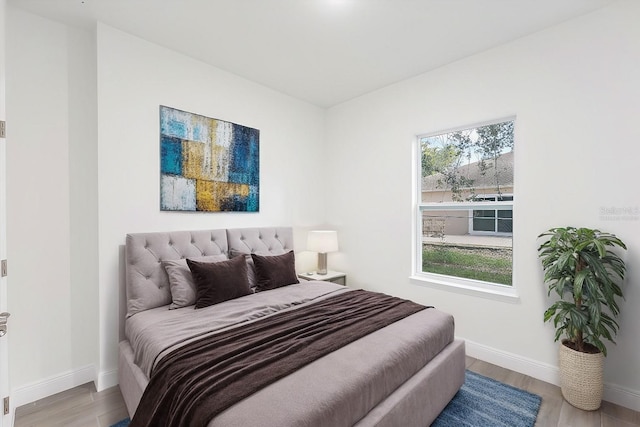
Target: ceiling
{"type": "Point", "coordinates": [321, 51]}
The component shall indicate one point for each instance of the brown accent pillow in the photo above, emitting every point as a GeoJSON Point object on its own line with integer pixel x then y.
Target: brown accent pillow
{"type": "Point", "coordinates": [251, 270]}
{"type": "Point", "coordinates": [219, 281]}
{"type": "Point", "coordinates": [183, 289]}
{"type": "Point", "coordinates": [275, 271]}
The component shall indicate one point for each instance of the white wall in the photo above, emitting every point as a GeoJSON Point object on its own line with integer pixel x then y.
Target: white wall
{"type": "Point", "coordinates": [51, 200]}
{"type": "Point", "coordinates": [83, 196]}
{"type": "Point", "coordinates": [134, 78]}
{"type": "Point", "coordinates": [576, 94]}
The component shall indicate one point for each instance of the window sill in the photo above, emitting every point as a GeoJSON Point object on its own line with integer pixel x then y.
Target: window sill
{"type": "Point", "coordinates": [467, 287]}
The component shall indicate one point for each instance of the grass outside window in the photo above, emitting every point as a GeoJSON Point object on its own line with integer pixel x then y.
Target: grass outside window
{"type": "Point", "coordinates": [478, 263]}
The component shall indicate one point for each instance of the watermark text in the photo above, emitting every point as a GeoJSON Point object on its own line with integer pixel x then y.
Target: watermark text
{"type": "Point", "coordinates": [619, 213]}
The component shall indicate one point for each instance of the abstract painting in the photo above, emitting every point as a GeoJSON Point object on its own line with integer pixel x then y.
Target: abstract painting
{"type": "Point", "coordinates": [207, 165]}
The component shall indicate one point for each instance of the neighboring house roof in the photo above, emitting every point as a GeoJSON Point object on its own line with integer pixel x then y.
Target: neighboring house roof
{"type": "Point", "coordinates": [480, 179]}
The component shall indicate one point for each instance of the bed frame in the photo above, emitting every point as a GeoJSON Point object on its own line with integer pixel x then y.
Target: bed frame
{"type": "Point", "coordinates": [415, 403]}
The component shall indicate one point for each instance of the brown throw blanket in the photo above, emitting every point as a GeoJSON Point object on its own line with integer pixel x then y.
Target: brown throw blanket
{"type": "Point", "coordinates": [194, 383]}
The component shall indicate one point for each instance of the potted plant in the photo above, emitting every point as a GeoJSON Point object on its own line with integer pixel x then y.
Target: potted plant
{"type": "Point", "coordinates": [581, 268]}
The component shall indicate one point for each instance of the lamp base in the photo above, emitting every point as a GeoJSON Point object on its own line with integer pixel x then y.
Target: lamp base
{"type": "Point", "coordinates": [322, 263]}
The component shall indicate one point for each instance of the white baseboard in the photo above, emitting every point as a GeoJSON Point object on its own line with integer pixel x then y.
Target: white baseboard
{"type": "Point", "coordinates": [622, 396]}
{"type": "Point", "coordinates": [548, 373]}
{"type": "Point", "coordinates": [514, 362]}
{"type": "Point", "coordinates": [52, 385]}
{"type": "Point", "coordinates": [107, 379]}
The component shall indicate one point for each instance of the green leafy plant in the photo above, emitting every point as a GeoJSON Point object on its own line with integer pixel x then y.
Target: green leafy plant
{"type": "Point", "coordinates": [581, 268]}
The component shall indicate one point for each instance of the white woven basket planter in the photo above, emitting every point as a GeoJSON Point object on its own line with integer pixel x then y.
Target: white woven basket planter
{"type": "Point", "coordinates": [581, 378]}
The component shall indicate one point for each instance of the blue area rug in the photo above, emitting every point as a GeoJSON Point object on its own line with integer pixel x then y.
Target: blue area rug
{"type": "Point", "coordinates": [481, 402]}
{"type": "Point", "coordinates": [123, 423]}
{"type": "Point", "coordinates": [486, 402]}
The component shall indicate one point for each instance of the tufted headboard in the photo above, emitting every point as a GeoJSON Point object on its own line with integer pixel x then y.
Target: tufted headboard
{"type": "Point", "coordinates": [147, 284]}
{"type": "Point", "coordinates": [276, 241]}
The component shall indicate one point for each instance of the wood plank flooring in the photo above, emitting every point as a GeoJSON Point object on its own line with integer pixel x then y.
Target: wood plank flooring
{"type": "Point", "coordinates": [84, 407]}
{"type": "Point", "coordinates": [81, 406]}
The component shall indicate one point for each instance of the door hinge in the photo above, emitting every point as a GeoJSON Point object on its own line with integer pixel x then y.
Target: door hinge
{"type": "Point", "coordinates": [6, 405]}
{"type": "Point", "coordinates": [3, 129]}
{"type": "Point", "coordinates": [3, 268]}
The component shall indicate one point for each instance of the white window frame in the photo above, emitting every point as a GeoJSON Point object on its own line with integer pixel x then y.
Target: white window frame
{"type": "Point", "coordinates": [478, 288]}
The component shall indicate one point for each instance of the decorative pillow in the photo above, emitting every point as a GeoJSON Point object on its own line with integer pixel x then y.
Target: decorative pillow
{"type": "Point", "coordinates": [183, 289]}
{"type": "Point", "coordinates": [251, 269]}
{"type": "Point", "coordinates": [219, 281]}
{"type": "Point", "coordinates": [274, 271]}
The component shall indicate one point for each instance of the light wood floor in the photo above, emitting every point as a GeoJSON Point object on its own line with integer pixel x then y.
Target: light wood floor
{"type": "Point", "coordinates": [83, 406]}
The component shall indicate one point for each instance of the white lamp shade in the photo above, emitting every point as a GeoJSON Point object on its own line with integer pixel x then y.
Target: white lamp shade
{"type": "Point", "coordinates": [322, 241]}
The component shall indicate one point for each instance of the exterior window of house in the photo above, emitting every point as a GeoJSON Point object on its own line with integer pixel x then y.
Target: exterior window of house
{"type": "Point", "coordinates": [492, 221]}
{"type": "Point", "coordinates": [464, 209]}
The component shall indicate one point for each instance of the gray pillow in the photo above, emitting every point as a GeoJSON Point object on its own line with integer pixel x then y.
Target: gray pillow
{"type": "Point", "coordinates": [183, 288]}
{"type": "Point", "coordinates": [251, 268]}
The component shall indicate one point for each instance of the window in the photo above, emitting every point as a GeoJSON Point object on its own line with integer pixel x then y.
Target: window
{"type": "Point", "coordinates": [494, 221]}
{"type": "Point", "coordinates": [464, 209]}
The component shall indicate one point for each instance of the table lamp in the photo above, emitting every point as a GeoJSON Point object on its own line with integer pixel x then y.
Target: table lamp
{"type": "Point", "coordinates": [322, 241]}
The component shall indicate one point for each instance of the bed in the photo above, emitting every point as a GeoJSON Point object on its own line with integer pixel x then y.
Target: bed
{"type": "Point", "coordinates": [403, 373]}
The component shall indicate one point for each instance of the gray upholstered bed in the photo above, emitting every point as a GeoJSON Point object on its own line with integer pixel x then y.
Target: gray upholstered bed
{"type": "Point", "coordinates": [401, 375]}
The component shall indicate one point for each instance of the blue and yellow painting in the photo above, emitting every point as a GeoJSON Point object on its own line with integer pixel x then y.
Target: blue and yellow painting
{"type": "Point", "coordinates": [207, 165]}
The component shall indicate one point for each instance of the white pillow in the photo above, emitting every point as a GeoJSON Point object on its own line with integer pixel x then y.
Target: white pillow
{"type": "Point", "coordinates": [183, 288]}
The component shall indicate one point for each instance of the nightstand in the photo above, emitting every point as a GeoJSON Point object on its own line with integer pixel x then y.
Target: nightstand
{"type": "Point", "coordinates": [331, 276]}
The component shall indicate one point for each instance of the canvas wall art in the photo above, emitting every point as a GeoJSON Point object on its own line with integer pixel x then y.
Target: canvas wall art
{"type": "Point", "coordinates": [207, 165]}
